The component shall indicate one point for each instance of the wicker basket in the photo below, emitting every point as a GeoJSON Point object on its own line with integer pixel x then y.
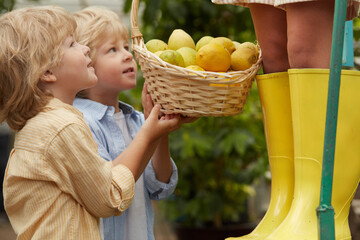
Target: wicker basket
{"type": "Point", "coordinates": [188, 92]}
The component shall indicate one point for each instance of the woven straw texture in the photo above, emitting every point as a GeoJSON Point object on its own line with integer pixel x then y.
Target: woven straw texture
{"type": "Point", "coordinates": [187, 92]}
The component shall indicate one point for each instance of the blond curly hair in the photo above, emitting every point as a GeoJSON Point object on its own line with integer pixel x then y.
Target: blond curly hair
{"type": "Point", "coordinates": [95, 25]}
{"type": "Point", "coordinates": [31, 43]}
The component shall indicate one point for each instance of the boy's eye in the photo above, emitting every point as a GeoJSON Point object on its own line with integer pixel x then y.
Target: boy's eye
{"type": "Point", "coordinates": [127, 48]}
{"type": "Point", "coordinates": [72, 44]}
{"type": "Point", "coordinates": [112, 50]}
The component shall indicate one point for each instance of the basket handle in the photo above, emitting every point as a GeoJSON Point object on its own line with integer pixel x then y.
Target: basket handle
{"type": "Point", "coordinates": [135, 32]}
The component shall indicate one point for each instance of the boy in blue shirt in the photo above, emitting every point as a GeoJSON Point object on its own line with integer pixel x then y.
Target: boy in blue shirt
{"type": "Point", "coordinates": [114, 123]}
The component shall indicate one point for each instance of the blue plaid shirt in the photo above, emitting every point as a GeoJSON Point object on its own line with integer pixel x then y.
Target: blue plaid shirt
{"type": "Point", "coordinates": [111, 143]}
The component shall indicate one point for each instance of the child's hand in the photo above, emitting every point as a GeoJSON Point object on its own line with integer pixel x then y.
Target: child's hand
{"type": "Point", "coordinates": [157, 126]}
{"type": "Point", "coordinates": [185, 119]}
{"type": "Point", "coordinates": [146, 101]}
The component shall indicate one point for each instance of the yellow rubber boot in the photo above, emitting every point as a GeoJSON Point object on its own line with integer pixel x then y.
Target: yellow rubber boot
{"type": "Point", "coordinates": [308, 88]}
{"type": "Point", "coordinates": [276, 108]}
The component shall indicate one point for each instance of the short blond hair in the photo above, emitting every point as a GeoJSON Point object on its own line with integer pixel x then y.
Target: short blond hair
{"type": "Point", "coordinates": [95, 25]}
{"type": "Point", "coordinates": [31, 43]}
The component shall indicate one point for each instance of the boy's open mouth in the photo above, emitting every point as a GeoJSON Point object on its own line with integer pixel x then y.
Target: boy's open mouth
{"type": "Point", "coordinates": [129, 70]}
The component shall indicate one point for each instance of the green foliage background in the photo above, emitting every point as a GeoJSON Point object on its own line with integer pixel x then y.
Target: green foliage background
{"type": "Point", "coordinates": [6, 5]}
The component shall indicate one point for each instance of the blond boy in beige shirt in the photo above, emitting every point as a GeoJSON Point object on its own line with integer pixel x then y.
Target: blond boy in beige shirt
{"type": "Point", "coordinates": [56, 186]}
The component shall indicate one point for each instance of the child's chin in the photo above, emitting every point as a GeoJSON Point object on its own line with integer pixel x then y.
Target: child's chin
{"type": "Point", "coordinates": [93, 81]}
{"type": "Point", "coordinates": [133, 86]}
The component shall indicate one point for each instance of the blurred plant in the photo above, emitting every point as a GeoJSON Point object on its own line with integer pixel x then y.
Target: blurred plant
{"type": "Point", "coordinates": [218, 160]}
{"type": "Point", "coordinates": [197, 17]}
{"type": "Point", "coordinates": [6, 5]}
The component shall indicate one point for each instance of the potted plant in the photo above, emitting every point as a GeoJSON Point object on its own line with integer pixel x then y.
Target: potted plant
{"type": "Point", "coordinates": [218, 161]}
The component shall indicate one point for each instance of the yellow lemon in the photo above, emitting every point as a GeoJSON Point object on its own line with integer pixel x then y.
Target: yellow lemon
{"type": "Point", "coordinates": [158, 53]}
{"type": "Point", "coordinates": [179, 38]}
{"type": "Point", "coordinates": [155, 45]}
{"type": "Point", "coordinates": [251, 46]}
{"type": "Point", "coordinates": [237, 44]}
{"type": "Point", "coordinates": [195, 68]}
{"type": "Point", "coordinates": [189, 55]}
{"type": "Point", "coordinates": [220, 85]}
{"type": "Point", "coordinates": [213, 57]}
{"type": "Point", "coordinates": [172, 57]}
{"type": "Point", "coordinates": [225, 42]}
{"type": "Point", "coordinates": [225, 85]}
{"type": "Point", "coordinates": [243, 58]}
{"type": "Point", "coordinates": [203, 41]}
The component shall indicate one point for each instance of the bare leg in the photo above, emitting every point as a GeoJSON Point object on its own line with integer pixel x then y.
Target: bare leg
{"type": "Point", "coordinates": [270, 28]}
{"type": "Point", "coordinates": [310, 33]}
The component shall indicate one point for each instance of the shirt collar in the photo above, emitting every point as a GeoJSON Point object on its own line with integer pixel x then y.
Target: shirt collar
{"type": "Point", "coordinates": [126, 108]}
{"type": "Point", "coordinates": [56, 103]}
{"type": "Point", "coordinates": [99, 110]}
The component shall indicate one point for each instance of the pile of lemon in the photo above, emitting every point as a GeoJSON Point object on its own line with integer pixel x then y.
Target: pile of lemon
{"type": "Point", "coordinates": [215, 54]}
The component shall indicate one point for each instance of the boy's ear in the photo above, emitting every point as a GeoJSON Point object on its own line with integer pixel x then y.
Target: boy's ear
{"type": "Point", "coordinates": [48, 77]}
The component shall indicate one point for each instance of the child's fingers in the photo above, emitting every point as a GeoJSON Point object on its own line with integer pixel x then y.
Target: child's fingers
{"type": "Point", "coordinates": [188, 119]}
{"type": "Point", "coordinates": [174, 122]}
{"type": "Point", "coordinates": [175, 116]}
{"type": "Point", "coordinates": [169, 116]}
{"type": "Point", "coordinates": [149, 101]}
{"type": "Point", "coordinates": [146, 101]}
{"type": "Point", "coordinates": [172, 118]}
{"type": "Point", "coordinates": [144, 92]}
{"type": "Point", "coordinates": [147, 94]}
{"type": "Point", "coordinates": [145, 89]}
{"type": "Point", "coordinates": [155, 112]}
{"type": "Point", "coordinates": [143, 96]}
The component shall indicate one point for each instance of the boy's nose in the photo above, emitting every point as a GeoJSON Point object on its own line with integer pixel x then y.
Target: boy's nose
{"type": "Point", "coordinates": [86, 50]}
{"type": "Point", "coordinates": [128, 56]}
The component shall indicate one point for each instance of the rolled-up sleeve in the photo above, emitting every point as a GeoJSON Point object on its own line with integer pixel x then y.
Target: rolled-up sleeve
{"type": "Point", "coordinates": [159, 190]}
{"type": "Point", "coordinates": [104, 190]}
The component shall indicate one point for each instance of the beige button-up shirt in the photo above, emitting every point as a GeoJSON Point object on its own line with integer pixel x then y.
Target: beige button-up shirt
{"type": "Point", "coordinates": [56, 186]}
